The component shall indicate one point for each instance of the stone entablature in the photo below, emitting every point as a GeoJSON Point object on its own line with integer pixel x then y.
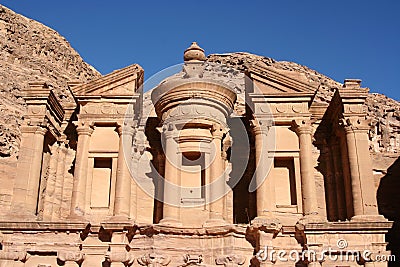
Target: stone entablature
{"type": "Point", "coordinates": [100, 184]}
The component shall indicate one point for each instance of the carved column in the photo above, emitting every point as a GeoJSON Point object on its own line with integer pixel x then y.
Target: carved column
{"type": "Point", "coordinates": [265, 188]}
{"type": "Point", "coordinates": [331, 198]}
{"type": "Point", "coordinates": [29, 166]}
{"type": "Point", "coordinates": [338, 176]}
{"type": "Point", "coordinates": [123, 182]}
{"type": "Point", "coordinates": [172, 194]}
{"type": "Point", "coordinates": [217, 179]}
{"type": "Point", "coordinates": [309, 192]}
{"type": "Point", "coordinates": [363, 193]}
{"type": "Point", "coordinates": [81, 168]}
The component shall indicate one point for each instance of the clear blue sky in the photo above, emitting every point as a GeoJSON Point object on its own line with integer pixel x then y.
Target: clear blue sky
{"type": "Point", "coordinates": [341, 39]}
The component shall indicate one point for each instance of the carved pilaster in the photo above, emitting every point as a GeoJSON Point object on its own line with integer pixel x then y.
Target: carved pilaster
{"type": "Point", "coordinates": [363, 191]}
{"type": "Point", "coordinates": [29, 167]}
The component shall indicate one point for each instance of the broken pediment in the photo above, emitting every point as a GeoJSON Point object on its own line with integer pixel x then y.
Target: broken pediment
{"type": "Point", "coordinates": [123, 82]}
{"type": "Point", "coordinates": [270, 81]}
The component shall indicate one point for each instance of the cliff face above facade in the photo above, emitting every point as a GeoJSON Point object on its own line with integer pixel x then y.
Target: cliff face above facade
{"type": "Point", "coordinates": [30, 51]}
{"type": "Point", "coordinates": [383, 112]}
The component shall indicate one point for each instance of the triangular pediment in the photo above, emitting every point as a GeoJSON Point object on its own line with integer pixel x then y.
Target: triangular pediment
{"type": "Point", "coordinates": [123, 82]}
{"type": "Point", "coordinates": [271, 81]}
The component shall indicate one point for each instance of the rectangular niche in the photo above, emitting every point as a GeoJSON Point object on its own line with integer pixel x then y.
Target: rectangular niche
{"type": "Point", "coordinates": [101, 183]}
{"type": "Point", "coordinates": [192, 178]}
{"type": "Point", "coordinates": [285, 184]}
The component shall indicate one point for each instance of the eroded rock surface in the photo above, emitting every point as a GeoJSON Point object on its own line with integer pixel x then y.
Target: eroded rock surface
{"type": "Point", "coordinates": [31, 51]}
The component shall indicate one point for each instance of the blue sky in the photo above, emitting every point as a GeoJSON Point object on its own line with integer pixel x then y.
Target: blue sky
{"type": "Point", "coordinates": [341, 39]}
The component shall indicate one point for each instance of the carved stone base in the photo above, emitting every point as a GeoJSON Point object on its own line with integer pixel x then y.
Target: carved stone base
{"type": "Point", "coordinates": [170, 222]}
{"type": "Point", "coordinates": [215, 222]}
{"type": "Point", "coordinates": [312, 218]}
{"type": "Point", "coordinates": [368, 218]}
{"type": "Point", "coordinates": [121, 219]}
{"type": "Point", "coordinates": [268, 221]}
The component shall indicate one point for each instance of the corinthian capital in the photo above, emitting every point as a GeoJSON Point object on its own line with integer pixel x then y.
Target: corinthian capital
{"type": "Point", "coordinates": [351, 124]}
{"type": "Point", "coordinates": [261, 126]}
{"type": "Point", "coordinates": [302, 127]}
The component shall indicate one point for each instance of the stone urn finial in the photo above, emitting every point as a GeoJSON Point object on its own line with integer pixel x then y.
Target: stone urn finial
{"type": "Point", "coordinates": [194, 53]}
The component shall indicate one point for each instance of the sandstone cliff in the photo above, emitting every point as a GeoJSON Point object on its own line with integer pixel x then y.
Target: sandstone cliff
{"type": "Point", "coordinates": [31, 51]}
{"type": "Point", "coordinates": [383, 112]}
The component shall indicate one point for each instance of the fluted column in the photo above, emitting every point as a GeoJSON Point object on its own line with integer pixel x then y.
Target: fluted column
{"type": "Point", "coordinates": [217, 178]}
{"type": "Point", "coordinates": [363, 193]}
{"type": "Point", "coordinates": [123, 181]}
{"type": "Point", "coordinates": [172, 194]}
{"type": "Point", "coordinates": [81, 168]}
{"type": "Point", "coordinates": [309, 192]}
{"type": "Point", "coordinates": [26, 187]}
{"type": "Point", "coordinates": [265, 190]}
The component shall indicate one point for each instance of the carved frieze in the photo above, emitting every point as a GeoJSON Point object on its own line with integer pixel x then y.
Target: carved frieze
{"type": "Point", "coordinates": [154, 260]}
{"type": "Point", "coordinates": [192, 260]}
{"type": "Point", "coordinates": [230, 260]}
{"type": "Point", "coordinates": [13, 255]}
{"type": "Point", "coordinates": [66, 255]}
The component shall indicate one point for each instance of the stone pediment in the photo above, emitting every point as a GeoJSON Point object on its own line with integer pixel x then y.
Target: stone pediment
{"type": "Point", "coordinates": [123, 82]}
{"type": "Point", "coordinates": [271, 81]}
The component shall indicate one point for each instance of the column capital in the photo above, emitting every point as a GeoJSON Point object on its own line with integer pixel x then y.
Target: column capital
{"type": "Point", "coordinates": [261, 126]}
{"type": "Point", "coordinates": [84, 129]}
{"type": "Point", "coordinates": [120, 256]}
{"type": "Point", "coordinates": [217, 132]}
{"type": "Point", "coordinates": [354, 124]}
{"type": "Point", "coordinates": [65, 255]}
{"type": "Point", "coordinates": [125, 130]}
{"type": "Point", "coordinates": [34, 129]}
{"type": "Point", "coordinates": [302, 127]}
{"type": "Point", "coordinates": [169, 130]}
